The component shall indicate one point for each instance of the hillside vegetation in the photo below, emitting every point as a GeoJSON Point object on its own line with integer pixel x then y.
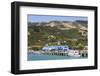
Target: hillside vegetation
{"type": "Point", "coordinates": [73, 34]}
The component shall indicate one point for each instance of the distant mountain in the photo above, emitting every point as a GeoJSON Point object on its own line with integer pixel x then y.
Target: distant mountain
{"type": "Point", "coordinates": [63, 25]}
{"type": "Point", "coordinates": [84, 23]}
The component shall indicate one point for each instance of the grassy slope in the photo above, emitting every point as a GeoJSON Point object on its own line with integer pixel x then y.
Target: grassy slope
{"type": "Point", "coordinates": [39, 35]}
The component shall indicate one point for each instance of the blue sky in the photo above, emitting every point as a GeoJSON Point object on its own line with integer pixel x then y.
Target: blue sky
{"type": "Point", "coordinates": [47, 18]}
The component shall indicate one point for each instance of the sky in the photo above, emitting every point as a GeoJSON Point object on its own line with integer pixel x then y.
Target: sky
{"type": "Point", "coordinates": [47, 18]}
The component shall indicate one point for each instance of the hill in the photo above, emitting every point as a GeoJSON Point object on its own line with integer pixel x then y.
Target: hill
{"type": "Point", "coordinates": [57, 32]}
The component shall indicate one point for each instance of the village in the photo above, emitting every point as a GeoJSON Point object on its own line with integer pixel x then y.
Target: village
{"type": "Point", "coordinates": [60, 50]}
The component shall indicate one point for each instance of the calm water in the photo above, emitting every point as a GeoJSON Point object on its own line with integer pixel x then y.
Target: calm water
{"type": "Point", "coordinates": [49, 57]}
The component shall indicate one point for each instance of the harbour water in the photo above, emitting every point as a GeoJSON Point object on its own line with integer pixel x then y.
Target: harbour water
{"type": "Point", "coordinates": [32, 57]}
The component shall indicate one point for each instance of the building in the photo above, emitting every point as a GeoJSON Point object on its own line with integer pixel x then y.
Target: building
{"type": "Point", "coordinates": [59, 48]}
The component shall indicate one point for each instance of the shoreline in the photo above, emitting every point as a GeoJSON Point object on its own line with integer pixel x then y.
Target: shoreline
{"type": "Point", "coordinates": [56, 53]}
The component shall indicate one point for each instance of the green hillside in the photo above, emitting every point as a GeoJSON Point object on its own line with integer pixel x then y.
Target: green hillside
{"type": "Point", "coordinates": [40, 35]}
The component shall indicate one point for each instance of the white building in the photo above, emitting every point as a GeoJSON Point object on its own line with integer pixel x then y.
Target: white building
{"type": "Point", "coordinates": [60, 48]}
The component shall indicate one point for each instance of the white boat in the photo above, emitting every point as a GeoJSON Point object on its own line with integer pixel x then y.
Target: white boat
{"type": "Point", "coordinates": [73, 53]}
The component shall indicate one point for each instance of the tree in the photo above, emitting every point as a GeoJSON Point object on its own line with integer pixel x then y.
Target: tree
{"type": "Point", "coordinates": [51, 38]}
{"type": "Point", "coordinates": [80, 47]}
{"type": "Point", "coordinates": [36, 29]}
